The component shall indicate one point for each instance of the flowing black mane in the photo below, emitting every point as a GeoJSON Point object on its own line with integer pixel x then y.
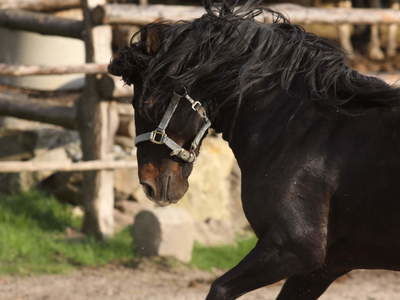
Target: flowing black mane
{"type": "Point", "coordinates": [230, 54]}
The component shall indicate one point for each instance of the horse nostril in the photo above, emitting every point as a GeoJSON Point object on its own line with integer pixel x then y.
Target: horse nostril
{"type": "Point", "coordinates": [148, 189]}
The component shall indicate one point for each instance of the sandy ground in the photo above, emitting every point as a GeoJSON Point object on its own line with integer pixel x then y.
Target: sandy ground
{"type": "Point", "coordinates": [155, 282]}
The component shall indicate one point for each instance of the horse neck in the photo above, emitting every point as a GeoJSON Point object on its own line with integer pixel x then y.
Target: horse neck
{"type": "Point", "coordinates": [259, 126]}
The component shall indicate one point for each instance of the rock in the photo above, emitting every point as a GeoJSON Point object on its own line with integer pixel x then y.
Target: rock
{"type": "Point", "coordinates": [65, 186]}
{"type": "Point", "coordinates": [17, 145]}
{"type": "Point", "coordinates": [213, 232]}
{"type": "Point", "coordinates": [236, 209]}
{"type": "Point", "coordinates": [17, 182]}
{"type": "Point", "coordinates": [125, 210]}
{"type": "Point", "coordinates": [77, 212]}
{"type": "Point", "coordinates": [45, 144]}
{"type": "Point", "coordinates": [126, 182]}
{"type": "Point", "coordinates": [213, 199]}
{"type": "Point", "coordinates": [166, 231]}
{"type": "Point", "coordinates": [52, 138]}
{"type": "Point", "coordinates": [121, 220]}
{"type": "Point", "coordinates": [131, 208]}
{"type": "Point", "coordinates": [208, 195]}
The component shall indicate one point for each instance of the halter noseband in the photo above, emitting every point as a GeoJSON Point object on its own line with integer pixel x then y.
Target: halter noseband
{"type": "Point", "coordinates": [160, 137]}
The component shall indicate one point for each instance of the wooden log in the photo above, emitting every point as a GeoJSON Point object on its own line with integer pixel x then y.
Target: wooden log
{"type": "Point", "coordinates": [66, 97]}
{"type": "Point", "coordinates": [23, 70]}
{"type": "Point", "coordinates": [39, 5]}
{"type": "Point", "coordinates": [34, 166]}
{"type": "Point", "coordinates": [98, 121]}
{"type": "Point", "coordinates": [141, 15]}
{"type": "Point", "coordinates": [73, 13]}
{"type": "Point", "coordinates": [20, 106]}
{"type": "Point", "coordinates": [310, 15]}
{"type": "Point", "coordinates": [40, 23]}
{"type": "Point", "coordinates": [39, 110]}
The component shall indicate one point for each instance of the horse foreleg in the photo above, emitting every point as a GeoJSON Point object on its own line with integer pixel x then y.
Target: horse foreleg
{"type": "Point", "coordinates": [392, 32]}
{"type": "Point", "coordinates": [309, 286]}
{"type": "Point", "coordinates": [264, 265]}
{"type": "Point", "coordinates": [344, 31]}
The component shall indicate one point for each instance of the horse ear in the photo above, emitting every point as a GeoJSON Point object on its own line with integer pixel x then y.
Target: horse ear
{"type": "Point", "coordinates": [152, 38]}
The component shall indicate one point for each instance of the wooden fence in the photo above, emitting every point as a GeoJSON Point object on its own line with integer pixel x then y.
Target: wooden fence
{"type": "Point", "coordinates": [97, 120]}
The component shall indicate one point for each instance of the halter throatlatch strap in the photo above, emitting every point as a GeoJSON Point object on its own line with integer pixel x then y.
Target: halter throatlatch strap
{"type": "Point", "coordinates": [160, 137]}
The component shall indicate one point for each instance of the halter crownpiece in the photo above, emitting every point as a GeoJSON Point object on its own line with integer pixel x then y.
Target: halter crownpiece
{"type": "Point", "coordinates": [159, 136]}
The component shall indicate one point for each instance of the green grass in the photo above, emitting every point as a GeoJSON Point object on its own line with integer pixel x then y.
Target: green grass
{"type": "Point", "coordinates": [221, 257]}
{"type": "Point", "coordinates": [33, 240]}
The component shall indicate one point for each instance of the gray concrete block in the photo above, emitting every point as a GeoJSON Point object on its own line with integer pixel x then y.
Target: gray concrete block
{"type": "Point", "coordinates": [164, 231]}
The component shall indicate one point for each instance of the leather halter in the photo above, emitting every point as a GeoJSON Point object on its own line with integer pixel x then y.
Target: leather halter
{"type": "Point", "coordinates": [160, 137]}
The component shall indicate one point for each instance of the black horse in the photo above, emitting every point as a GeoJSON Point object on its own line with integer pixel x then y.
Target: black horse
{"type": "Point", "coordinates": [318, 143]}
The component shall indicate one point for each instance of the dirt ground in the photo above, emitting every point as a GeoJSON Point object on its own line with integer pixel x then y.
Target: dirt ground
{"type": "Point", "coordinates": [154, 282]}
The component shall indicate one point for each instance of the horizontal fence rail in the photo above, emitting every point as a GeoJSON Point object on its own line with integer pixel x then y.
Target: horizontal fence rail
{"type": "Point", "coordinates": [39, 5]}
{"type": "Point", "coordinates": [22, 70]}
{"type": "Point", "coordinates": [32, 166]}
{"type": "Point", "coordinates": [36, 109]}
{"type": "Point", "coordinates": [144, 14]}
{"type": "Point", "coordinates": [40, 23]}
{"type": "Point", "coordinates": [141, 15]}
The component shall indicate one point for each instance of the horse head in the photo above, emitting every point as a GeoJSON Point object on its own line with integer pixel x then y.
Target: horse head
{"type": "Point", "coordinates": [170, 124]}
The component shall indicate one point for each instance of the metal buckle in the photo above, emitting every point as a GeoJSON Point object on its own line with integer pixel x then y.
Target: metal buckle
{"type": "Point", "coordinates": [187, 156]}
{"type": "Point", "coordinates": [157, 136]}
{"type": "Point", "coordinates": [183, 154]}
{"type": "Point", "coordinates": [196, 105]}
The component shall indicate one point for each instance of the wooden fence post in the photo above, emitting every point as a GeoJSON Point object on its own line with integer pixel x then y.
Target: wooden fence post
{"type": "Point", "coordinates": [98, 121]}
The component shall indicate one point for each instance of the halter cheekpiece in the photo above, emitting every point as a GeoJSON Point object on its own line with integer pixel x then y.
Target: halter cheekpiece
{"type": "Point", "coordinates": [160, 137]}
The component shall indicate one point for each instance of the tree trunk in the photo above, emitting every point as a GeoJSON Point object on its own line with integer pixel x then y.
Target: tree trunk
{"type": "Point", "coordinates": [98, 122]}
